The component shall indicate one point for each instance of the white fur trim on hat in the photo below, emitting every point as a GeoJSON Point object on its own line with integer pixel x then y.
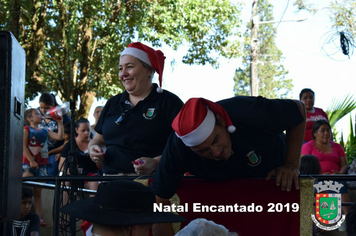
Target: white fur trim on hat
{"type": "Point", "coordinates": [142, 55]}
{"type": "Point", "coordinates": [201, 133]}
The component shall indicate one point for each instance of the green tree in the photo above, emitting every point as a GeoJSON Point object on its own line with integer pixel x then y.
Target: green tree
{"type": "Point", "coordinates": [73, 46]}
{"type": "Point", "coordinates": [272, 81]}
{"type": "Point", "coordinates": [342, 13]}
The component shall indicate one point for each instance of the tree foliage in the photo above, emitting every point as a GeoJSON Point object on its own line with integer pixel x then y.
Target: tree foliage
{"type": "Point", "coordinates": [272, 81]}
{"type": "Point", "coordinates": [73, 46]}
{"type": "Point", "coordinates": [342, 13]}
{"type": "Point", "coordinates": [338, 109]}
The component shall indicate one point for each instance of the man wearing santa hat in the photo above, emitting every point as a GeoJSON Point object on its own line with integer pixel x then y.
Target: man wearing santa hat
{"type": "Point", "coordinates": [233, 138]}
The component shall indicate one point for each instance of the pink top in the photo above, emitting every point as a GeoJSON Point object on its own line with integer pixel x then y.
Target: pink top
{"type": "Point", "coordinates": [328, 161]}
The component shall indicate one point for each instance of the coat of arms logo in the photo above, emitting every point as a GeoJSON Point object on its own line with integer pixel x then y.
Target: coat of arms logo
{"type": "Point", "coordinates": [150, 114]}
{"type": "Point", "coordinates": [328, 205]}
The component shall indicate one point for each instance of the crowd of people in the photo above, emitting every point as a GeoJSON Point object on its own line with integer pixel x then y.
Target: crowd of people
{"type": "Point", "coordinates": [149, 131]}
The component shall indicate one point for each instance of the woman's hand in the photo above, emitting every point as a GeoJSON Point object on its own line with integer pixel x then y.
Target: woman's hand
{"type": "Point", "coordinates": [145, 165]}
{"type": "Point", "coordinates": [96, 154]}
{"type": "Point", "coordinates": [336, 172]}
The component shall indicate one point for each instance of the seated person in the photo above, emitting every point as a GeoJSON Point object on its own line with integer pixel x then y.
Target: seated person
{"type": "Point", "coordinates": [120, 207]}
{"type": "Point", "coordinates": [82, 161]}
{"type": "Point", "coordinates": [29, 222]}
{"type": "Point", "coordinates": [331, 155]}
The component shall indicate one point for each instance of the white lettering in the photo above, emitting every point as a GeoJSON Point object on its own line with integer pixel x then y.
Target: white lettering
{"type": "Point", "coordinates": [196, 207]}
{"type": "Point", "coordinates": [157, 207]}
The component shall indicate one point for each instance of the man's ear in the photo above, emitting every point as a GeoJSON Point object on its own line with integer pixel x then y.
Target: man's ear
{"type": "Point", "coordinates": [221, 120]}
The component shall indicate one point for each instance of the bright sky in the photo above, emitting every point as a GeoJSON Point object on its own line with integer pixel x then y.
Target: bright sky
{"type": "Point", "coordinates": [301, 44]}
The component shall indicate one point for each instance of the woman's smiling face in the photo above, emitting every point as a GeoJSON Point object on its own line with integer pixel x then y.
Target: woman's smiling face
{"type": "Point", "coordinates": [134, 76]}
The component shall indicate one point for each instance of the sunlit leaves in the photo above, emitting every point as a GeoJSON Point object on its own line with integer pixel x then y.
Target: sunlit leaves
{"type": "Point", "coordinates": [74, 46]}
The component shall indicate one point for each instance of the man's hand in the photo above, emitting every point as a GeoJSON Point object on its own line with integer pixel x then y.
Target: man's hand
{"type": "Point", "coordinates": [285, 176]}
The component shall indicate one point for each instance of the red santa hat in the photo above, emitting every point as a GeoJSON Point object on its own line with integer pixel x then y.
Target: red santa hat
{"type": "Point", "coordinates": [149, 56]}
{"type": "Point", "coordinates": [196, 121]}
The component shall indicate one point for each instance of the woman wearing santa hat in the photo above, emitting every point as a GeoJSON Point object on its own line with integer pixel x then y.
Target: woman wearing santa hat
{"type": "Point", "coordinates": [134, 126]}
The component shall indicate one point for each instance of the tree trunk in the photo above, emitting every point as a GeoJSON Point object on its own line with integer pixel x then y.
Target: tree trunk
{"type": "Point", "coordinates": [86, 101]}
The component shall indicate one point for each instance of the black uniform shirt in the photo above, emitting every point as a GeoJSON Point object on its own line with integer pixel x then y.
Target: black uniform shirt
{"type": "Point", "coordinates": [143, 131]}
{"type": "Point", "coordinates": [258, 145]}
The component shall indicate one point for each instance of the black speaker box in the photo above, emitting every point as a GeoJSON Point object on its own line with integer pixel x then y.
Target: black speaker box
{"type": "Point", "coordinates": [12, 93]}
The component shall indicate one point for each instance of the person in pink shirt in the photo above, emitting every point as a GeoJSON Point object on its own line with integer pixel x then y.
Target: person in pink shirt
{"type": "Point", "coordinates": [331, 155]}
{"type": "Point", "coordinates": [307, 96]}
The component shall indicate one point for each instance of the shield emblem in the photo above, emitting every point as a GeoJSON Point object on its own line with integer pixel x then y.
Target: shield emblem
{"type": "Point", "coordinates": [150, 112]}
{"type": "Point", "coordinates": [328, 207]}
{"type": "Point", "coordinates": [253, 158]}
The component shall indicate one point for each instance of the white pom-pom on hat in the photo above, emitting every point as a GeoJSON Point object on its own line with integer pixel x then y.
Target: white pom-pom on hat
{"type": "Point", "coordinates": [159, 90]}
{"type": "Point", "coordinates": [231, 128]}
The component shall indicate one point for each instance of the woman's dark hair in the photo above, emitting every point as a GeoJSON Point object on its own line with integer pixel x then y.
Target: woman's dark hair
{"type": "Point", "coordinates": [305, 91]}
{"type": "Point", "coordinates": [309, 165]}
{"type": "Point", "coordinates": [49, 99]}
{"type": "Point", "coordinates": [317, 124]}
{"type": "Point", "coordinates": [80, 121]}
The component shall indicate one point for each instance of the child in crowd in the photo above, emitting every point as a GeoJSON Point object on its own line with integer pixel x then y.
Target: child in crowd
{"type": "Point", "coordinates": [29, 222]}
{"type": "Point", "coordinates": [309, 165]}
{"type": "Point", "coordinates": [67, 132]}
{"type": "Point", "coordinates": [34, 163]}
{"type": "Point", "coordinates": [48, 101]}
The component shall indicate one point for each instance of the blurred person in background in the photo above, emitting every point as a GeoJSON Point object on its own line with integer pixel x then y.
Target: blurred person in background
{"type": "Point", "coordinates": [307, 96]}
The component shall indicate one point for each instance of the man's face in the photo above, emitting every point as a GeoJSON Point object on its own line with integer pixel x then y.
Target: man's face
{"type": "Point", "coordinates": [218, 145]}
{"type": "Point", "coordinates": [26, 205]}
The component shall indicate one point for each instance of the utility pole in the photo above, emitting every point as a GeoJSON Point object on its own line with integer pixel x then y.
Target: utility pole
{"type": "Point", "coordinates": [254, 48]}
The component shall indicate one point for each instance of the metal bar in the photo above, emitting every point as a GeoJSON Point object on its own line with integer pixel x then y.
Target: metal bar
{"type": "Point", "coordinates": [56, 207]}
